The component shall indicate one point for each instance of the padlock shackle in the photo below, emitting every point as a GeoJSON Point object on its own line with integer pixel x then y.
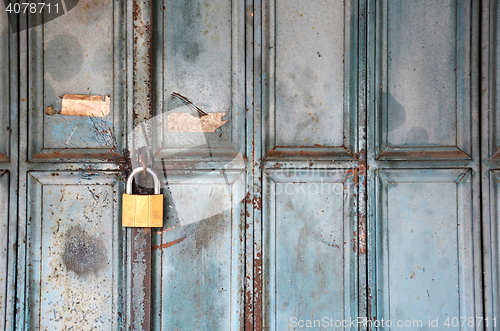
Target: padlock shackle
{"type": "Point", "coordinates": [136, 171]}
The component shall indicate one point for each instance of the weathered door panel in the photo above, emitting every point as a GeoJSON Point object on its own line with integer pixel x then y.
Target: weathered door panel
{"type": "Point", "coordinates": [312, 165]}
{"type": "Point", "coordinates": [424, 162]}
{"type": "Point", "coordinates": [424, 245]}
{"type": "Point", "coordinates": [423, 64]}
{"type": "Point", "coordinates": [198, 274]}
{"type": "Point", "coordinates": [309, 248]}
{"type": "Point", "coordinates": [71, 268]}
{"type": "Point", "coordinates": [309, 91]}
{"type": "Point", "coordinates": [82, 52]}
{"type": "Point", "coordinates": [203, 60]}
{"type": "Point", "coordinates": [74, 271]}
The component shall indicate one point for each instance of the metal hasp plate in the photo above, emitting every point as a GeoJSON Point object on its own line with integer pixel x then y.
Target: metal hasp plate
{"type": "Point", "coordinates": [142, 210]}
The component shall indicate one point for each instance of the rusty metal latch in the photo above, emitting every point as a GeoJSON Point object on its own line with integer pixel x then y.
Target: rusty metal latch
{"type": "Point", "coordinates": [142, 210]}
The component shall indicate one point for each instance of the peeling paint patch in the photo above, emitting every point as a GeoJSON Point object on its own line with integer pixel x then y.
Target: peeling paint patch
{"type": "Point", "coordinates": [185, 122]}
{"type": "Point", "coordinates": [85, 105]}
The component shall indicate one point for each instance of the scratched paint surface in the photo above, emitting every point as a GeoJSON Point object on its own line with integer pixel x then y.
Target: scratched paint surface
{"type": "Point", "coordinates": [74, 245]}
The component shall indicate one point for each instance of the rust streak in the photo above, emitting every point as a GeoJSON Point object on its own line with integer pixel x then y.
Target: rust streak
{"type": "Point", "coordinates": [170, 243]}
{"type": "Point", "coordinates": [258, 292]}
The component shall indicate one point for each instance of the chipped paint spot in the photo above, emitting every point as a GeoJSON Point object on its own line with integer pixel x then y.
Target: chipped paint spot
{"type": "Point", "coordinates": [49, 110]}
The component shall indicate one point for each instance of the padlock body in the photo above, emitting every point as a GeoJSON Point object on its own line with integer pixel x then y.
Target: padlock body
{"type": "Point", "coordinates": [142, 210]}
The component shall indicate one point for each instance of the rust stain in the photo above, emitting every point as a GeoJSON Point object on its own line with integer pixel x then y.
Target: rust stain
{"type": "Point", "coordinates": [277, 165]}
{"type": "Point", "coordinates": [167, 229]}
{"type": "Point", "coordinates": [49, 110]}
{"type": "Point", "coordinates": [185, 122]}
{"type": "Point", "coordinates": [258, 292]}
{"type": "Point", "coordinates": [370, 297]}
{"type": "Point", "coordinates": [85, 105]}
{"type": "Point", "coordinates": [362, 234]}
{"type": "Point", "coordinates": [170, 243]}
{"type": "Point", "coordinates": [257, 202]}
{"type": "Point", "coordinates": [414, 155]}
{"type": "Point", "coordinates": [108, 155]}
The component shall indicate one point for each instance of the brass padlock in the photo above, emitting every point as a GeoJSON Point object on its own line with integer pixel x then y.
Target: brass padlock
{"type": "Point", "coordinates": [142, 211]}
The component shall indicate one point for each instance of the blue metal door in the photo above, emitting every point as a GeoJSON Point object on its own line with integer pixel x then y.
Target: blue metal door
{"type": "Point", "coordinates": [325, 165]}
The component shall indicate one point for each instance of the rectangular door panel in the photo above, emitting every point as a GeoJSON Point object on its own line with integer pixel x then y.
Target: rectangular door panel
{"type": "Point", "coordinates": [424, 256]}
{"type": "Point", "coordinates": [198, 255]}
{"type": "Point", "coordinates": [79, 53]}
{"type": "Point", "coordinates": [74, 251]}
{"type": "Point", "coordinates": [203, 73]}
{"type": "Point", "coordinates": [423, 80]}
{"type": "Point", "coordinates": [309, 92]}
{"type": "Point", "coordinates": [309, 248]}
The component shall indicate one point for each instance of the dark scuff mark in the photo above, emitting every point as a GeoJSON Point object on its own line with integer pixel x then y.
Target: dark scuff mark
{"type": "Point", "coordinates": [186, 31]}
{"type": "Point", "coordinates": [188, 103]}
{"type": "Point", "coordinates": [67, 60]}
{"type": "Point", "coordinates": [83, 253]}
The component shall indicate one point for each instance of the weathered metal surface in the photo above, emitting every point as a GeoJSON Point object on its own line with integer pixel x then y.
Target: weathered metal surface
{"type": "Point", "coordinates": [198, 276]}
{"type": "Point", "coordinates": [310, 63]}
{"type": "Point", "coordinates": [310, 248]}
{"type": "Point", "coordinates": [239, 59]}
{"type": "Point", "coordinates": [74, 276]}
{"type": "Point", "coordinates": [80, 52]}
{"type": "Point", "coordinates": [424, 88]}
